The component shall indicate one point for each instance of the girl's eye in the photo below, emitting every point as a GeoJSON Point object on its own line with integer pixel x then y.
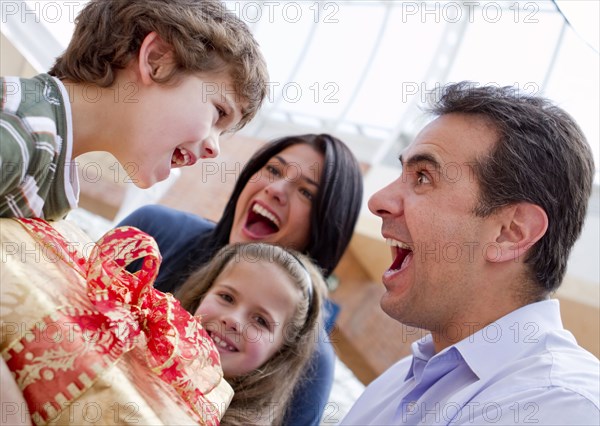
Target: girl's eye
{"type": "Point", "coordinates": [306, 193]}
{"type": "Point", "coordinates": [262, 322]}
{"type": "Point", "coordinates": [226, 297]}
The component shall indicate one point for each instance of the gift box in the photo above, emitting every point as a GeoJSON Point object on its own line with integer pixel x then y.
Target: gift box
{"type": "Point", "coordinates": [89, 343]}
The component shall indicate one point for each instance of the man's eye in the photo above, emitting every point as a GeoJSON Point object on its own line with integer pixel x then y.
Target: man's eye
{"type": "Point", "coordinates": [222, 112]}
{"type": "Point", "coordinates": [422, 178]}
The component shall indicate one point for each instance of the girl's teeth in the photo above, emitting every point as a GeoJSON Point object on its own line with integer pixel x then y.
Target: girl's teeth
{"type": "Point", "coordinates": [222, 343]}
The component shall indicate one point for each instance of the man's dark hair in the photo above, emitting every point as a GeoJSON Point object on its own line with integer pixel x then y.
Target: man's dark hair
{"type": "Point", "coordinates": [541, 157]}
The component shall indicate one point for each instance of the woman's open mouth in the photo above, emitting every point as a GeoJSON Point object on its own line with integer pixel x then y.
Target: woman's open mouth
{"type": "Point", "coordinates": [261, 222]}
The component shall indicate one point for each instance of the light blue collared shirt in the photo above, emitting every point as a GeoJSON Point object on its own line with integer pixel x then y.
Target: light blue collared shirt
{"type": "Point", "coordinates": [524, 368]}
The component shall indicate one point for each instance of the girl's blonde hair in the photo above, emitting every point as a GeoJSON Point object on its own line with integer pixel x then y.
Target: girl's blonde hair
{"type": "Point", "coordinates": [262, 396]}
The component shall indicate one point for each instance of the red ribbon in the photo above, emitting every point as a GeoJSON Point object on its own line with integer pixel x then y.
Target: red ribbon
{"type": "Point", "coordinates": [125, 305]}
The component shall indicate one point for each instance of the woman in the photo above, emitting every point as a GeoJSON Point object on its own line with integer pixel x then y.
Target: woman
{"type": "Point", "coordinates": [302, 192]}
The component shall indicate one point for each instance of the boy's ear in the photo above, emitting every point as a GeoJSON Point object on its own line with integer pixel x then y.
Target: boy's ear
{"type": "Point", "coordinates": [154, 58]}
{"type": "Point", "coordinates": [521, 226]}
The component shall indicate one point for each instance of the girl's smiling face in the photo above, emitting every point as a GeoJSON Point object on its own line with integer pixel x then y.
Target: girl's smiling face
{"type": "Point", "coordinates": [246, 311]}
{"type": "Point", "coordinates": [274, 206]}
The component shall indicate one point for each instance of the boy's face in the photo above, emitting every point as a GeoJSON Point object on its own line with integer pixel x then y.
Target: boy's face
{"type": "Point", "coordinates": [246, 312]}
{"type": "Point", "coordinates": [176, 124]}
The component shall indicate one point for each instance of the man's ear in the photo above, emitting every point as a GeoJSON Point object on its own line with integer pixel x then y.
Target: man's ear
{"type": "Point", "coordinates": [521, 226]}
{"type": "Point", "coordinates": [155, 58]}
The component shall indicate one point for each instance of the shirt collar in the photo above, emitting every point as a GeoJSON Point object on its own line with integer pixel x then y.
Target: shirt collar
{"type": "Point", "coordinates": [507, 338]}
{"type": "Point", "coordinates": [424, 355]}
{"type": "Point", "coordinates": [422, 351]}
{"type": "Point", "coordinates": [495, 344]}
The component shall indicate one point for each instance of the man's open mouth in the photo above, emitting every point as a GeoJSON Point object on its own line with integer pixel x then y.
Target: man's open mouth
{"type": "Point", "coordinates": [402, 254]}
{"type": "Point", "coordinates": [261, 222]}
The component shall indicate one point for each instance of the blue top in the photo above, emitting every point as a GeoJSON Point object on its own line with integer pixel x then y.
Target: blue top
{"type": "Point", "coordinates": [524, 368]}
{"type": "Point", "coordinates": [177, 235]}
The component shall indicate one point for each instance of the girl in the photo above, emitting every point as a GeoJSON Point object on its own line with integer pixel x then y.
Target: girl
{"type": "Point", "coordinates": [261, 305]}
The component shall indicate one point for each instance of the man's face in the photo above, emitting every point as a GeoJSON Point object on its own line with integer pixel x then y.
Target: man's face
{"type": "Point", "coordinates": [428, 212]}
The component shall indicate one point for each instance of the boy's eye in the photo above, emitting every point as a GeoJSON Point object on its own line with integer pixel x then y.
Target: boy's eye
{"type": "Point", "coordinates": [222, 112]}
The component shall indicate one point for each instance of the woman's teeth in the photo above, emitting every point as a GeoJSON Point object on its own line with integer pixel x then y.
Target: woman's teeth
{"type": "Point", "coordinates": [256, 208]}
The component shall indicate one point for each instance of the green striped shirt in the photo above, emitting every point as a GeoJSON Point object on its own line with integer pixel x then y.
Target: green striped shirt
{"type": "Point", "coordinates": [38, 178]}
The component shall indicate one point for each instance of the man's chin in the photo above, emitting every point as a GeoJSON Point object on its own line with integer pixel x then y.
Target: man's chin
{"type": "Point", "coordinates": [391, 307]}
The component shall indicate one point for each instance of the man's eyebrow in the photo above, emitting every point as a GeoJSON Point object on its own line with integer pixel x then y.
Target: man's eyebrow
{"type": "Point", "coordinates": [419, 158]}
{"type": "Point", "coordinates": [304, 176]}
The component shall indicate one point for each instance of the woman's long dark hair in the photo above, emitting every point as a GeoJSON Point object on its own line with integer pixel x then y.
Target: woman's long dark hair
{"type": "Point", "coordinates": [333, 216]}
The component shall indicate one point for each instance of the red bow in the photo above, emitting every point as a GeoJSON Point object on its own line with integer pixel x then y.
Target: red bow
{"type": "Point", "coordinates": [126, 305]}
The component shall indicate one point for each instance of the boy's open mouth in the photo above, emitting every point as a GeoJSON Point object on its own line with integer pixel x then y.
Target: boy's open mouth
{"type": "Point", "coordinates": [261, 222]}
{"type": "Point", "coordinates": [182, 157]}
{"type": "Point", "coordinates": [402, 254]}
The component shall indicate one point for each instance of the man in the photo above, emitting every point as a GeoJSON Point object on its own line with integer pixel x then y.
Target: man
{"type": "Point", "coordinates": [492, 196]}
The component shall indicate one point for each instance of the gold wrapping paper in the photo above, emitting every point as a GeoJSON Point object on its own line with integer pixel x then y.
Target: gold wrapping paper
{"type": "Point", "coordinates": [40, 293]}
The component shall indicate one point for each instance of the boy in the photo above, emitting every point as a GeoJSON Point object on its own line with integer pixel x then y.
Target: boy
{"type": "Point", "coordinates": [154, 83]}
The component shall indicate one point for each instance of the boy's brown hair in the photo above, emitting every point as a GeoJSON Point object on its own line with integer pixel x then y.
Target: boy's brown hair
{"type": "Point", "coordinates": [203, 35]}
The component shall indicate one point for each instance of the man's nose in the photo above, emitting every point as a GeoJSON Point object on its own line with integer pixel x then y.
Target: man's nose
{"type": "Point", "coordinates": [387, 201]}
